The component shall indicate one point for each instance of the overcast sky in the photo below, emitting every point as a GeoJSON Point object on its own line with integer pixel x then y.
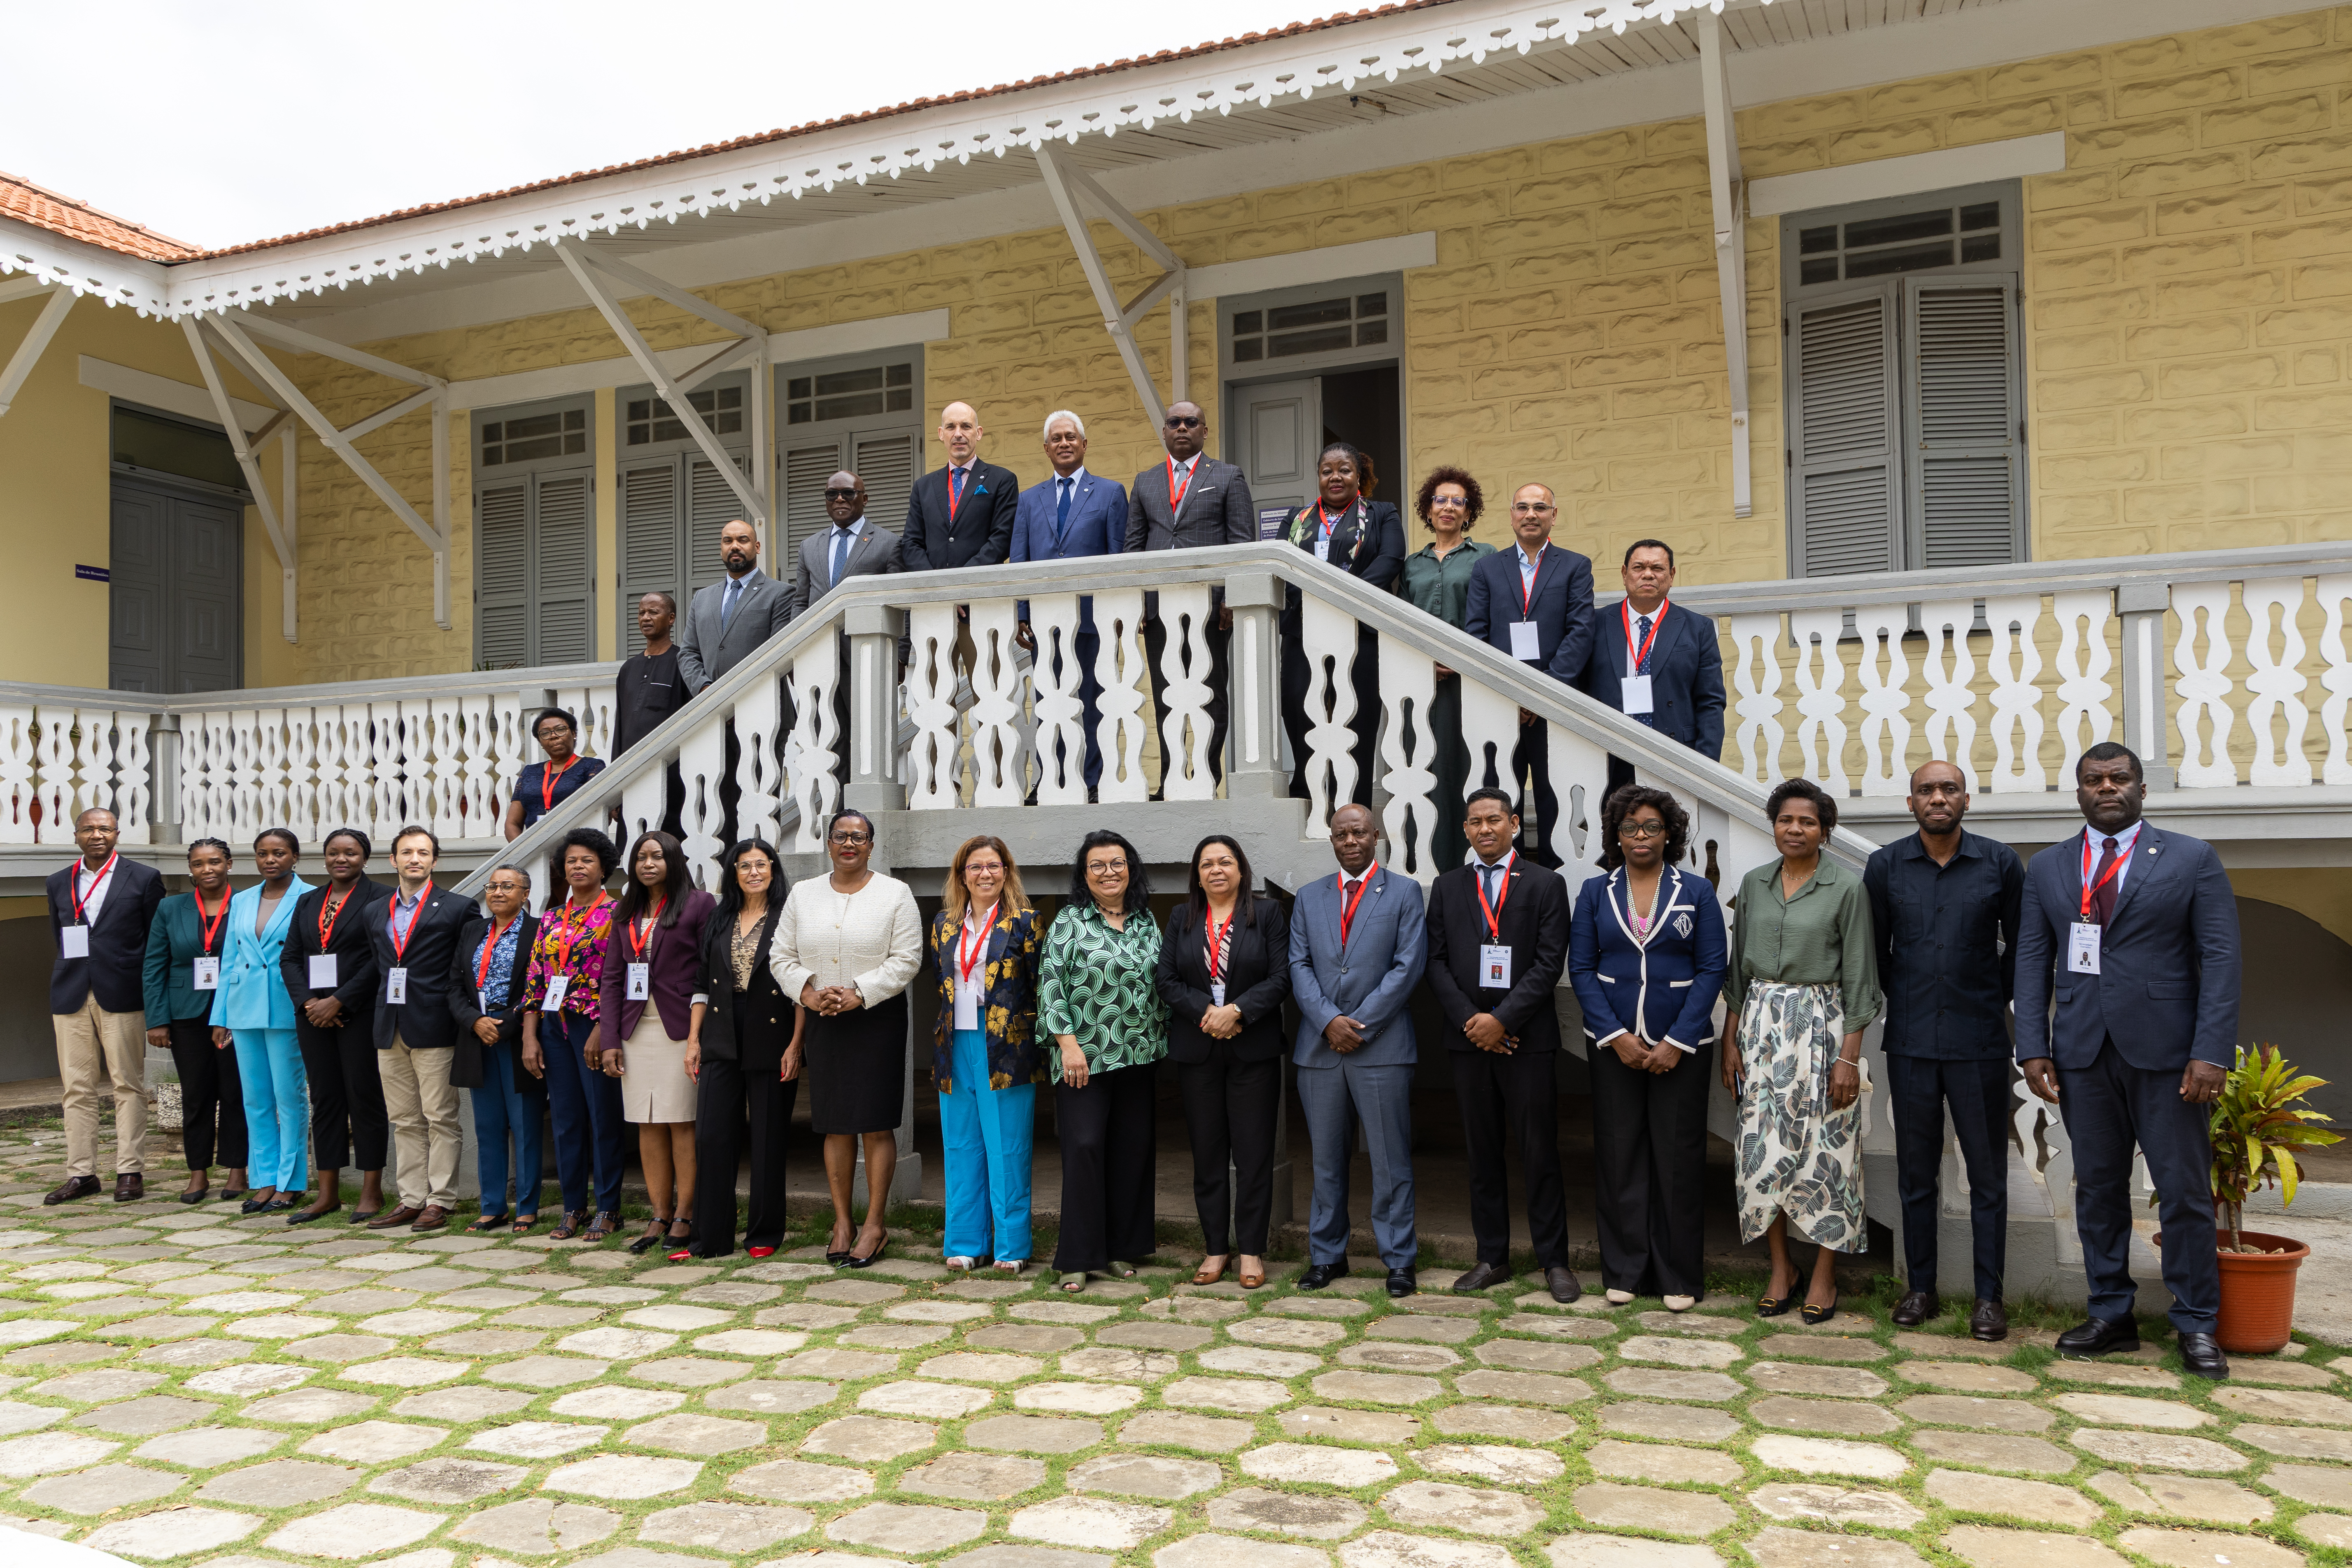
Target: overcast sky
{"type": "Point", "coordinates": [245, 119]}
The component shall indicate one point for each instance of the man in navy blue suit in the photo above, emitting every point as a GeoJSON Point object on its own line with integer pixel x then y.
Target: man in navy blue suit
{"type": "Point", "coordinates": [1072, 514]}
{"type": "Point", "coordinates": [1654, 661]}
{"type": "Point", "coordinates": [2136, 929]}
{"type": "Point", "coordinates": [1534, 602]}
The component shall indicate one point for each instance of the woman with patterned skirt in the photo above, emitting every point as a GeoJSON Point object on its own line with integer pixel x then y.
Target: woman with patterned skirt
{"type": "Point", "coordinates": [1804, 983]}
{"type": "Point", "coordinates": [1098, 996]}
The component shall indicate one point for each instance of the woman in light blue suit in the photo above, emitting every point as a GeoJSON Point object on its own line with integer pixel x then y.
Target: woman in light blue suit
{"type": "Point", "coordinates": [1646, 955]}
{"type": "Point", "coordinates": [252, 1011]}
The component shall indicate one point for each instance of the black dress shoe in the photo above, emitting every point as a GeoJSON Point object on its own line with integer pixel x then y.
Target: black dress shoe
{"type": "Point", "coordinates": [1401, 1283]}
{"type": "Point", "coordinates": [2203, 1358]}
{"type": "Point", "coordinates": [1482, 1277]}
{"type": "Point", "coordinates": [1916, 1308]}
{"type": "Point", "coordinates": [1318, 1275]}
{"type": "Point", "coordinates": [2098, 1336]}
{"type": "Point", "coordinates": [1560, 1280]}
{"type": "Point", "coordinates": [1990, 1321]}
{"type": "Point", "coordinates": [72, 1187]}
{"type": "Point", "coordinates": [130, 1188]}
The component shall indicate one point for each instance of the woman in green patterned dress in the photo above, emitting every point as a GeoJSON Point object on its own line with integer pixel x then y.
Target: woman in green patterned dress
{"type": "Point", "coordinates": [1437, 579]}
{"type": "Point", "coordinates": [1098, 996]}
{"type": "Point", "coordinates": [1804, 983]}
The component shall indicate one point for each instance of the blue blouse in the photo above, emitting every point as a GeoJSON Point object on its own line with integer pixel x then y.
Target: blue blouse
{"type": "Point", "coordinates": [500, 979]}
{"type": "Point", "coordinates": [529, 788]}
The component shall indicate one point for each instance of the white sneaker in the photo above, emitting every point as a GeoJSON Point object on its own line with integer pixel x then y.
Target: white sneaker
{"type": "Point", "coordinates": [1619, 1297]}
{"type": "Point", "coordinates": [1681, 1303]}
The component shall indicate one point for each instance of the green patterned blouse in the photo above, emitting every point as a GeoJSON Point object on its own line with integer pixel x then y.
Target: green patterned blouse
{"type": "Point", "coordinates": [1099, 985]}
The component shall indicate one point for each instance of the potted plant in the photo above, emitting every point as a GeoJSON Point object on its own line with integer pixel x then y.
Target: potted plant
{"type": "Point", "coordinates": [2258, 1123]}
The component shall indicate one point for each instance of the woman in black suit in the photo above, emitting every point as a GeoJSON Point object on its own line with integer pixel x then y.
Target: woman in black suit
{"type": "Point", "coordinates": [1225, 972]}
{"type": "Point", "coordinates": [1364, 538]}
{"type": "Point", "coordinates": [743, 1052]}
{"type": "Point", "coordinates": [334, 1026]}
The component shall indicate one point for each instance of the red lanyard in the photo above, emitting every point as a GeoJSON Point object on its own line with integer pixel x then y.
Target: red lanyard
{"type": "Point", "coordinates": [327, 917]}
{"type": "Point", "coordinates": [490, 946]}
{"type": "Point", "coordinates": [1495, 910]}
{"type": "Point", "coordinates": [966, 961]}
{"type": "Point", "coordinates": [1323, 524]}
{"type": "Point", "coordinates": [210, 924]}
{"type": "Point", "coordinates": [1527, 584]}
{"type": "Point", "coordinates": [1348, 914]}
{"type": "Point", "coordinates": [638, 944]}
{"type": "Point", "coordinates": [392, 922]}
{"type": "Point", "coordinates": [547, 777]}
{"type": "Point", "coordinates": [2091, 889]}
{"type": "Point", "coordinates": [82, 899]}
{"type": "Point", "coordinates": [954, 495]}
{"type": "Point", "coordinates": [568, 935]}
{"type": "Point", "coordinates": [1656, 620]}
{"type": "Point", "coordinates": [1175, 490]}
{"type": "Point", "coordinates": [1216, 934]}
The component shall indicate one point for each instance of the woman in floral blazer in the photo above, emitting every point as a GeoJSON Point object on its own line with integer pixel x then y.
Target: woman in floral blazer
{"type": "Point", "coordinates": [984, 941]}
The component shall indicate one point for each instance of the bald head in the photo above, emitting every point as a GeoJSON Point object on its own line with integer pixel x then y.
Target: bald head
{"type": "Point", "coordinates": [960, 433]}
{"type": "Point", "coordinates": [1355, 837]}
{"type": "Point", "coordinates": [845, 498]}
{"type": "Point", "coordinates": [1938, 800]}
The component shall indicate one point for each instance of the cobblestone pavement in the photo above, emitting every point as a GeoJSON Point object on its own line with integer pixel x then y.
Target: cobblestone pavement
{"type": "Point", "coordinates": [182, 1384]}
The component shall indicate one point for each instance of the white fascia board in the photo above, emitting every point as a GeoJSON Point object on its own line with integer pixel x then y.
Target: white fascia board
{"type": "Point", "coordinates": [1908, 177]}
{"type": "Point", "coordinates": [1400, 254]}
{"type": "Point", "coordinates": [162, 391]}
{"type": "Point", "coordinates": [784, 348]}
{"type": "Point", "coordinates": [91, 271]}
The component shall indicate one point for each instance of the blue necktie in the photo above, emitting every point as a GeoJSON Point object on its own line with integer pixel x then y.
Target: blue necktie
{"type": "Point", "coordinates": [727, 605]}
{"type": "Point", "coordinates": [955, 495]}
{"type": "Point", "coordinates": [1641, 642]}
{"type": "Point", "coordinates": [840, 551]}
{"type": "Point", "coordinates": [1486, 873]}
{"type": "Point", "coordinates": [1062, 512]}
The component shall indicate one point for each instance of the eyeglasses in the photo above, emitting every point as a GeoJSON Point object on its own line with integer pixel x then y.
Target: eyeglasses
{"type": "Point", "coordinates": [1518, 507]}
{"type": "Point", "coordinates": [1185, 422]}
{"type": "Point", "coordinates": [1106, 867]}
{"type": "Point", "coordinates": [982, 869]}
{"type": "Point", "coordinates": [1643, 830]}
{"type": "Point", "coordinates": [841, 495]}
{"type": "Point", "coordinates": [852, 839]}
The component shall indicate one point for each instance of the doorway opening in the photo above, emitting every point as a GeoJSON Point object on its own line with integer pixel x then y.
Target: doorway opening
{"type": "Point", "coordinates": [1279, 428]}
{"type": "Point", "coordinates": [176, 561]}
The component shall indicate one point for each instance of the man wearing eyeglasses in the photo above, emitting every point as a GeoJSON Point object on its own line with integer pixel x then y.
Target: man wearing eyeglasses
{"type": "Point", "coordinates": [1183, 502]}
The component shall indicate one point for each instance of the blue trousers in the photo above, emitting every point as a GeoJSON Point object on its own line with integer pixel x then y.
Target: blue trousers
{"type": "Point", "coordinates": [586, 1110]}
{"type": "Point", "coordinates": [2109, 1107]}
{"type": "Point", "coordinates": [987, 1133]}
{"type": "Point", "coordinates": [502, 1109]}
{"type": "Point", "coordinates": [1334, 1098]}
{"type": "Point", "coordinates": [276, 1108]}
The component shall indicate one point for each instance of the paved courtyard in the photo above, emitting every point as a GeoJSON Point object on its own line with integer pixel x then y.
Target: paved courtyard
{"type": "Point", "coordinates": [184, 1384]}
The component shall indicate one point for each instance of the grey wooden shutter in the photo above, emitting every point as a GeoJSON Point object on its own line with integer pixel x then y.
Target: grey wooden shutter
{"type": "Point", "coordinates": [886, 464]}
{"type": "Point", "coordinates": [649, 540]}
{"type": "Point", "coordinates": [1844, 422]}
{"type": "Point", "coordinates": [502, 576]}
{"type": "Point", "coordinates": [1965, 481]}
{"type": "Point", "coordinates": [561, 571]}
{"type": "Point", "coordinates": [806, 470]}
{"type": "Point", "coordinates": [710, 505]}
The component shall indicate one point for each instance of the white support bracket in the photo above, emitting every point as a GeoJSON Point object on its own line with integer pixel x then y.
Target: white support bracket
{"type": "Point", "coordinates": [280, 528]}
{"type": "Point", "coordinates": [232, 332]}
{"type": "Point", "coordinates": [1728, 192]}
{"type": "Point", "coordinates": [28, 353]}
{"type": "Point", "coordinates": [1066, 184]}
{"type": "Point", "coordinates": [585, 262]}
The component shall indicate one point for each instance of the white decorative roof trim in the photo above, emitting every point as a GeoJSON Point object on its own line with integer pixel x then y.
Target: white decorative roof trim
{"type": "Point", "coordinates": [1257, 75]}
{"type": "Point", "coordinates": [91, 271]}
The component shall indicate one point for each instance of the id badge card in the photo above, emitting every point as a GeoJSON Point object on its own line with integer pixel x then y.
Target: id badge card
{"type": "Point", "coordinates": [395, 985]}
{"type": "Point", "coordinates": [207, 974]}
{"type": "Point", "coordinates": [74, 941]}
{"type": "Point", "coordinates": [1523, 641]}
{"type": "Point", "coordinates": [967, 1007]}
{"type": "Point", "coordinates": [641, 982]}
{"type": "Point", "coordinates": [1322, 550]}
{"type": "Point", "coordinates": [1494, 966]}
{"type": "Point", "coordinates": [1217, 992]}
{"type": "Point", "coordinates": [556, 987]}
{"type": "Point", "coordinates": [322, 972]}
{"type": "Point", "coordinates": [1635, 694]}
{"type": "Point", "coordinates": [483, 997]}
{"type": "Point", "coordinates": [2082, 949]}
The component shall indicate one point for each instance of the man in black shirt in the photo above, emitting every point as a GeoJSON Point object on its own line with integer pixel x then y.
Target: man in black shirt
{"type": "Point", "coordinates": [649, 688]}
{"type": "Point", "coordinates": [1943, 909]}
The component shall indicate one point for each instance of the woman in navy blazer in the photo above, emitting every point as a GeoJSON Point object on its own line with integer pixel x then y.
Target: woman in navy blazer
{"type": "Point", "coordinates": [642, 1031]}
{"type": "Point", "coordinates": [1647, 953]}
{"type": "Point", "coordinates": [1364, 538]}
{"type": "Point", "coordinates": [252, 1011]}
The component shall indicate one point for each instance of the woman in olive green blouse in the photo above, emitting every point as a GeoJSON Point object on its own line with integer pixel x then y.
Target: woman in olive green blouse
{"type": "Point", "coordinates": [1804, 983]}
{"type": "Point", "coordinates": [1437, 579]}
{"type": "Point", "coordinates": [1098, 997]}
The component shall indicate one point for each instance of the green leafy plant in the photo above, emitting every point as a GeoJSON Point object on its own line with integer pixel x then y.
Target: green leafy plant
{"type": "Point", "coordinates": [2258, 1122]}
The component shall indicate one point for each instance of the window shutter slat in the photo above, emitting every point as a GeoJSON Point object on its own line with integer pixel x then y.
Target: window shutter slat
{"type": "Point", "coordinates": [711, 503]}
{"type": "Point", "coordinates": [649, 539]}
{"type": "Point", "coordinates": [806, 470]}
{"type": "Point", "coordinates": [560, 570]}
{"type": "Point", "coordinates": [1844, 429]}
{"type": "Point", "coordinates": [886, 464]}
{"type": "Point", "coordinates": [502, 576]}
{"type": "Point", "coordinates": [1966, 483]}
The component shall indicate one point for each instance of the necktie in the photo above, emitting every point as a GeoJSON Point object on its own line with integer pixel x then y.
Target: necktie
{"type": "Point", "coordinates": [2103, 903]}
{"type": "Point", "coordinates": [727, 605]}
{"type": "Point", "coordinates": [1641, 642]}
{"type": "Point", "coordinates": [1061, 511]}
{"type": "Point", "coordinates": [840, 551]}
{"type": "Point", "coordinates": [955, 495]}
{"type": "Point", "coordinates": [1486, 875]}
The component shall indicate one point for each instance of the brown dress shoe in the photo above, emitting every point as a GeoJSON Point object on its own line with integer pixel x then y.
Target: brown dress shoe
{"type": "Point", "coordinates": [403, 1215]}
{"type": "Point", "coordinates": [1916, 1308]}
{"type": "Point", "coordinates": [73, 1187]}
{"type": "Point", "coordinates": [130, 1188]}
{"type": "Point", "coordinates": [433, 1218]}
{"type": "Point", "coordinates": [1990, 1321]}
{"type": "Point", "coordinates": [1560, 1280]}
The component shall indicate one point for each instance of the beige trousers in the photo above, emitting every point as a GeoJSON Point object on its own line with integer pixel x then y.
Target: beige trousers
{"type": "Point", "coordinates": [93, 1045]}
{"type": "Point", "coordinates": [422, 1104]}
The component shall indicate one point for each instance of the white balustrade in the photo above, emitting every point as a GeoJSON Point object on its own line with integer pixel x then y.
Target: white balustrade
{"type": "Point", "coordinates": [814, 754]}
{"type": "Point", "coordinates": [1950, 668]}
{"type": "Point", "coordinates": [2203, 686]}
{"type": "Point", "coordinates": [2334, 590]}
{"type": "Point", "coordinates": [1407, 756]}
{"type": "Point", "coordinates": [1821, 697]}
{"type": "Point", "coordinates": [1119, 667]}
{"type": "Point", "coordinates": [1057, 702]}
{"type": "Point", "coordinates": [931, 760]}
{"type": "Point", "coordinates": [1756, 677]}
{"type": "Point", "coordinates": [2015, 664]}
{"type": "Point", "coordinates": [1886, 727]}
{"type": "Point", "coordinates": [999, 750]}
{"type": "Point", "coordinates": [19, 816]}
{"type": "Point", "coordinates": [2274, 687]}
{"type": "Point", "coordinates": [1185, 728]}
{"type": "Point", "coordinates": [1329, 634]}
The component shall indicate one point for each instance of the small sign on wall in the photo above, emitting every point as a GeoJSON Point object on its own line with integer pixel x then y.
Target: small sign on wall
{"type": "Point", "coordinates": [1270, 521]}
{"type": "Point", "coordinates": [92, 574]}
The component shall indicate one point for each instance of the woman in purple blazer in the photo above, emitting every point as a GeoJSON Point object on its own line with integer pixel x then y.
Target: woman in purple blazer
{"type": "Point", "coordinates": [653, 967]}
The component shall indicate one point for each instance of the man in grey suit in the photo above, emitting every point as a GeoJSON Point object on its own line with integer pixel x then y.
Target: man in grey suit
{"type": "Point", "coordinates": [1186, 501]}
{"type": "Point", "coordinates": [1357, 945]}
{"type": "Point", "coordinates": [853, 547]}
{"type": "Point", "coordinates": [727, 620]}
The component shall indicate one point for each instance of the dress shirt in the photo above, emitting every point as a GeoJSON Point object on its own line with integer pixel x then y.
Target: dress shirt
{"type": "Point", "coordinates": [1947, 946]}
{"type": "Point", "coordinates": [971, 995]}
{"type": "Point", "coordinates": [91, 887]}
{"type": "Point", "coordinates": [2123, 842]}
{"type": "Point", "coordinates": [401, 901]}
{"type": "Point", "coordinates": [1529, 566]}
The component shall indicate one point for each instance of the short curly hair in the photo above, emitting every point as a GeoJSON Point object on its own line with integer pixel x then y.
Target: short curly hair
{"type": "Point", "coordinates": [596, 842]}
{"type": "Point", "coordinates": [1824, 803]}
{"type": "Point", "coordinates": [1631, 799]}
{"type": "Point", "coordinates": [1424, 502]}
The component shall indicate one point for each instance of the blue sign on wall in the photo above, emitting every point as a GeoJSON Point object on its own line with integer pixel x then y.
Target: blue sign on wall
{"type": "Point", "coordinates": [92, 574]}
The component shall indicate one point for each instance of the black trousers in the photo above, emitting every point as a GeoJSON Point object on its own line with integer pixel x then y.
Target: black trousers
{"type": "Point", "coordinates": [2109, 1107]}
{"type": "Point", "coordinates": [1512, 1099]}
{"type": "Point", "coordinates": [212, 1101]}
{"type": "Point", "coordinates": [1298, 680]}
{"type": "Point", "coordinates": [348, 1125]}
{"type": "Point", "coordinates": [1531, 763]}
{"type": "Point", "coordinates": [1155, 643]}
{"type": "Point", "coordinates": [1229, 1109]}
{"type": "Point", "coordinates": [1919, 1088]}
{"type": "Point", "coordinates": [730, 1094]}
{"type": "Point", "coordinates": [1107, 1153]}
{"type": "Point", "coordinates": [1649, 1171]}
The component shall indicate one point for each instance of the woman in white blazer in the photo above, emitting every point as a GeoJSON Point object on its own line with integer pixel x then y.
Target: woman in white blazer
{"type": "Point", "coordinates": [252, 1013]}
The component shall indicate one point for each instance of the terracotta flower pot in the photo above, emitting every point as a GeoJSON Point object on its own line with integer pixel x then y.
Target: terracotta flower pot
{"type": "Point", "coordinates": [2258, 1293]}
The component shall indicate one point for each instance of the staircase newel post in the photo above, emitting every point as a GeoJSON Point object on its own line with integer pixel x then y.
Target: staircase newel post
{"type": "Point", "coordinates": [1253, 727]}
{"type": "Point", "coordinates": [2148, 708]}
{"type": "Point", "coordinates": [874, 632]}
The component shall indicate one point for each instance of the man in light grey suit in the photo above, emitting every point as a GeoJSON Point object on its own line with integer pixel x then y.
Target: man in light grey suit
{"type": "Point", "coordinates": [853, 547]}
{"type": "Point", "coordinates": [727, 620]}
{"type": "Point", "coordinates": [1357, 945]}
{"type": "Point", "coordinates": [1183, 502]}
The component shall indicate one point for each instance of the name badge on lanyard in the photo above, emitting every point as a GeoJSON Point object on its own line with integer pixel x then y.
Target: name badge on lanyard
{"type": "Point", "coordinates": [395, 985]}
{"type": "Point", "coordinates": [1633, 690]}
{"type": "Point", "coordinates": [207, 974]}
{"type": "Point", "coordinates": [1634, 694]}
{"type": "Point", "coordinates": [1524, 644]}
{"type": "Point", "coordinates": [74, 941]}
{"type": "Point", "coordinates": [639, 968]}
{"type": "Point", "coordinates": [2083, 948]}
{"type": "Point", "coordinates": [641, 983]}
{"type": "Point", "coordinates": [1495, 955]}
{"type": "Point", "coordinates": [322, 972]}
{"type": "Point", "coordinates": [557, 984]}
{"type": "Point", "coordinates": [1494, 966]}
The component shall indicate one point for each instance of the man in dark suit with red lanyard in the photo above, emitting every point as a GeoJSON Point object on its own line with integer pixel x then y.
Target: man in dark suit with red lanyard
{"type": "Point", "coordinates": [99, 911]}
{"type": "Point", "coordinates": [1656, 662]}
{"type": "Point", "coordinates": [1183, 502]}
{"type": "Point", "coordinates": [959, 515]}
{"type": "Point", "coordinates": [1533, 600]}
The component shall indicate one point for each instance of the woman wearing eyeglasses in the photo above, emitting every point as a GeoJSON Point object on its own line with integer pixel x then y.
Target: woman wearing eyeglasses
{"type": "Point", "coordinates": [1436, 580]}
{"type": "Point", "coordinates": [1645, 952]}
{"type": "Point", "coordinates": [543, 786]}
{"type": "Point", "coordinates": [846, 948]}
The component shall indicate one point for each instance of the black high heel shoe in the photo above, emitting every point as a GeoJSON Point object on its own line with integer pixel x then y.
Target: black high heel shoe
{"type": "Point", "coordinates": [654, 1233]}
{"type": "Point", "coordinates": [1814, 1314]}
{"type": "Point", "coordinates": [852, 1260]}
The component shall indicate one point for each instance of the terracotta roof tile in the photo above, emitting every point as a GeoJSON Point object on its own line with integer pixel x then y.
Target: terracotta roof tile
{"type": "Point", "coordinates": [21, 199]}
